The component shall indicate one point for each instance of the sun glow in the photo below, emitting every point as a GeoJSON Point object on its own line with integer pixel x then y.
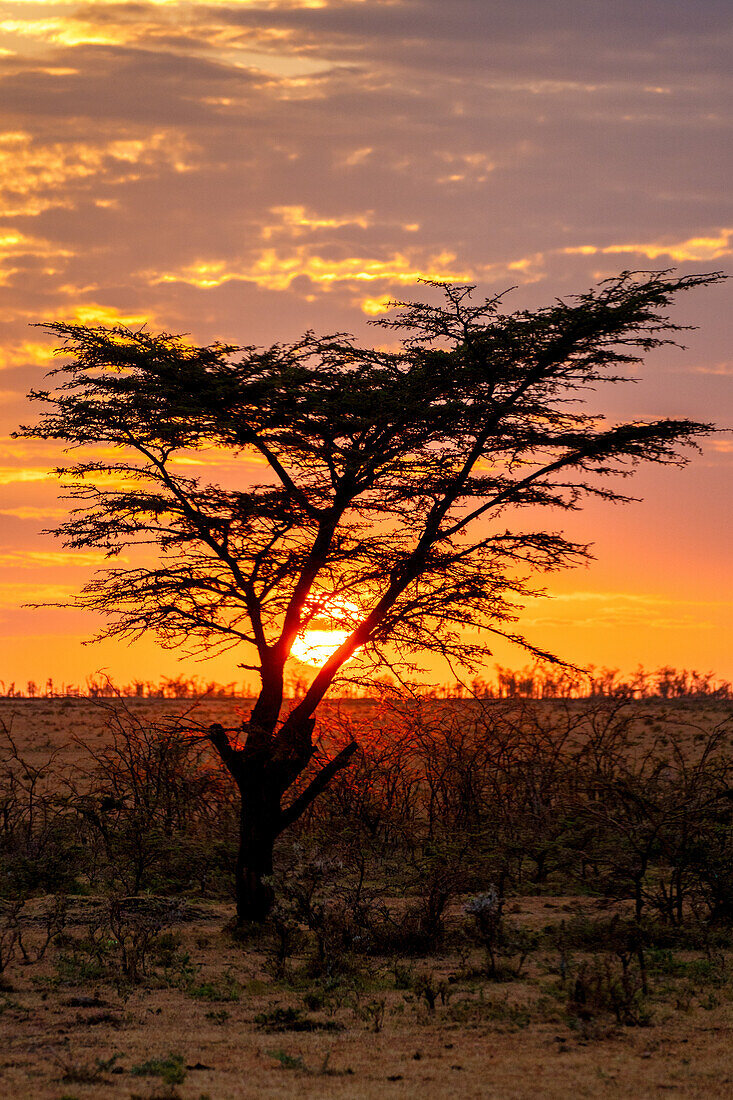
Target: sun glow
{"type": "Point", "coordinates": [330, 624]}
{"type": "Point", "coordinates": [314, 647]}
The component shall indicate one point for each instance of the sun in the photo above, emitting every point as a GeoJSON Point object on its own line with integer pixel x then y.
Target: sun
{"type": "Point", "coordinates": [314, 647]}
{"type": "Point", "coordinates": [326, 631]}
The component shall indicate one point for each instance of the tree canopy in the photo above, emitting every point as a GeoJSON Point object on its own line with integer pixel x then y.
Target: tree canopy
{"type": "Point", "coordinates": [399, 493]}
{"type": "Point", "coordinates": [394, 481]}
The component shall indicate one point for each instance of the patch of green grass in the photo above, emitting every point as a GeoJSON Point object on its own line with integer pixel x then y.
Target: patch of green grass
{"type": "Point", "coordinates": [288, 1061]}
{"type": "Point", "coordinates": [75, 969]}
{"type": "Point", "coordinates": [713, 971]}
{"type": "Point", "coordinates": [295, 1061]}
{"type": "Point", "coordinates": [403, 975]}
{"type": "Point", "coordinates": [256, 986]}
{"type": "Point", "coordinates": [171, 1069]}
{"type": "Point", "coordinates": [225, 988]}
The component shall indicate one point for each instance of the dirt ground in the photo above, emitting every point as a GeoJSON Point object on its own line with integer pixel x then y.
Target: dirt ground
{"type": "Point", "coordinates": [211, 1018]}
{"type": "Point", "coordinates": [214, 1023]}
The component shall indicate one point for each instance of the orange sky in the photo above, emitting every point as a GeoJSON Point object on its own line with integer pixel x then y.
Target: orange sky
{"type": "Point", "coordinates": [247, 170]}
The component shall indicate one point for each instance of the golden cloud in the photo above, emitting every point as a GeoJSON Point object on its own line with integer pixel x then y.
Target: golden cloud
{"type": "Point", "coordinates": [11, 475]}
{"type": "Point", "coordinates": [217, 459]}
{"type": "Point", "coordinates": [29, 512]}
{"type": "Point", "coordinates": [691, 250]}
{"type": "Point", "coordinates": [375, 306]}
{"type": "Point", "coordinates": [41, 559]}
{"type": "Point", "coordinates": [35, 177]}
{"type": "Point", "coordinates": [466, 168]}
{"type": "Point", "coordinates": [277, 270]}
{"type": "Point", "coordinates": [71, 30]}
{"type": "Point", "coordinates": [93, 314]}
{"type": "Point", "coordinates": [15, 245]}
{"type": "Point", "coordinates": [13, 595]}
{"type": "Point", "coordinates": [198, 25]}
{"type": "Point", "coordinates": [295, 221]}
{"type": "Point", "coordinates": [25, 352]}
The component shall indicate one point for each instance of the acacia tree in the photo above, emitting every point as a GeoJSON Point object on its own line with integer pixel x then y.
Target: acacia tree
{"type": "Point", "coordinates": [393, 490]}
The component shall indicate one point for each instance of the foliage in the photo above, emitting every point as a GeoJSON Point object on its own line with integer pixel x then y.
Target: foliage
{"type": "Point", "coordinates": [39, 840]}
{"type": "Point", "coordinates": [382, 470]}
{"type": "Point", "coordinates": [156, 805]}
{"type": "Point", "coordinates": [376, 469]}
{"type": "Point", "coordinates": [609, 985]}
{"type": "Point", "coordinates": [540, 680]}
{"type": "Point", "coordinates": [447, 800]}
{"type": "Point", "coordinates": [224, 988]}
{"type": "Point", "coordinates": [124, 942]}
{"type": "Point", "coordinates": [171, 1068]}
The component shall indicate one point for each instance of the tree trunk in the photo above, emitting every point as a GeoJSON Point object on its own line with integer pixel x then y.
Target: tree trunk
{"type": "Point", "coordinates": [258, 829]}
{"type": "Point", "coordinates": [263, 776]}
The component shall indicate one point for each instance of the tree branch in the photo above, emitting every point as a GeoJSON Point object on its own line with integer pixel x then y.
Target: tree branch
{"type": "Point", "coordinates": [292, 812]}
{"type": "Point", "coordinates": [229, 756]}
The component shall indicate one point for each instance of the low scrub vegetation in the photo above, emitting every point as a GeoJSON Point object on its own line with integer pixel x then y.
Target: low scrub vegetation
{"type": "Point", "coordinates": [498, 864]}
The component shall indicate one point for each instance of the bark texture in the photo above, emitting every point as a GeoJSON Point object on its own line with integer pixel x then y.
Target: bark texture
{"type": "Point", "coordinates": [263, 772]}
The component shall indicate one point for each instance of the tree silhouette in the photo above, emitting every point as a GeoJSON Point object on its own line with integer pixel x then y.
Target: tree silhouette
{"type": "Point", "coordinates": [391, 497]}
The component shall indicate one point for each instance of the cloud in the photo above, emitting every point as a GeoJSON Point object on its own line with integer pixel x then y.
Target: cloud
{"type": "Point", "coordinates": [36, 176]}
{"type": "Point", "coordinates": [17, 594]}
{"type": "Point", "coordinates": [277, 270]}
{"type": "Point", "coordinates": [325, 258]}
{"type": "Point", "coordinates": [16, 248]}
{"type": "Point", "coordinates": [374, 306]}
{"type": "Point", "coordinates": [693, 250]}
{"type": "Point", "coordinates": [466, 167]}
{"type": "Point", "coordinates": [635, 598]}
{"type": "Point", "coordinates": [10, 475]}
{"type": "Point", "coordinates": [29, 512]}
{"type": "Point", "coordinates": [723, 369]}
{"type": "Point", "coordinates": [295, 221]}
{"type": "Point", "coordinates": [625, 610]}
{"type": "Point", "coordinates": [46, 559]}
{"type": "Point", "coordinates": [23, 352]}
{"type": "Point", "coordinates": [93, 314]}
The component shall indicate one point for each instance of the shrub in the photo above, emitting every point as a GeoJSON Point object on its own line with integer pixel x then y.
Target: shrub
{"type": "Point", "coordinates": [501, 940]}
{"type": "Point", "coordinates": [612, 986]}
{"type": "Point", "coordinates": [170, 1068]}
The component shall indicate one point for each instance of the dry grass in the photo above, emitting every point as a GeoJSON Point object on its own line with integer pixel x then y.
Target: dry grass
{"type": "Point", "coordinates": [42, 726]}
{"type": "Point", "coordinates": [196, 1025]}
{"type": "Point", "coordinates": [67, 1038]}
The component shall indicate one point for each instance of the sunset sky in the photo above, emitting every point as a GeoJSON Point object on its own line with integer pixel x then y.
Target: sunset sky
{"type": "Point", "coordinates": [248, 170]}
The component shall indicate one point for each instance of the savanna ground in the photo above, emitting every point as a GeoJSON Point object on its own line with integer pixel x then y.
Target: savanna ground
{"type": "Point", "coordinates": [499, 899]}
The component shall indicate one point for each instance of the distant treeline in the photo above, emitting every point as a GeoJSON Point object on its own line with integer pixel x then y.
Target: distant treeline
{"type": "Point", "coordinates": [544, 682]}
{"type": "Point", "coordinates": [102, 687]}
{"type": "Point", "coordinates": [531, 682]}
